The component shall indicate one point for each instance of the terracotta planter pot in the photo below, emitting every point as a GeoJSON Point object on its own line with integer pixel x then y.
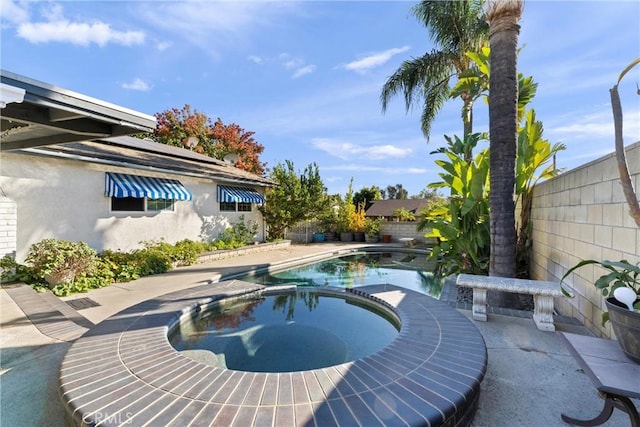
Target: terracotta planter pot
{"type": "Point", "coordinates": [386, 238]}
{"type": "Point", "coordinates": [59, 276]}
{"type": "Point", "coordinates": [626, 326]}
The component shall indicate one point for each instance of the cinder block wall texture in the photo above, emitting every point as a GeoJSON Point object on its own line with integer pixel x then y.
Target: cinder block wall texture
{"type": "Point", "coordinates": [583, 214]}
{"type": "Point", "coordinates": [8, 227]}
{"type": "Point", "coordinates": [402, 229]}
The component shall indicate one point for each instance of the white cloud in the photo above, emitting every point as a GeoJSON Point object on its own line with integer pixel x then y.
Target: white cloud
{"type": "Point", "coordinates": [79, 33]}
{"type": "Point", "coordinates": [347, 150]}
{"type": "Point", "coordinates": [576, 126]}
{"type": "Point", "coordinates": [384, 151]}
{"type": "Point", "coordinates": [303, 70]}
{"type": "Point", "coordinates": [217, 26]}
{"type": "Point", "coordinates": [415, 171]}
{"type": "Point", "coordinates": [317, 110]}
{"type": "Point", "coordinates": [333, 179]}
{"type": "Point", "coordinates": [161, 46]}
{"type": "Point", "coordinates": [585, 129]}
{"type": "Point", "coordinates": [255, 59]}
{"type": "Point", "coordinates": [56, 28]}
{"type": "Point", "coordinates": [12, 13]}
{"type": "Point", "coordinates": [589, 134]}
{"type": "Point", "coordinates": [374, 60]}
{"type": "Point", "coordinates": [138, 84]}
{"type": "Point", "coordinates": [291, 62]}
{"type": "Point", "coordinates": [288, 61]}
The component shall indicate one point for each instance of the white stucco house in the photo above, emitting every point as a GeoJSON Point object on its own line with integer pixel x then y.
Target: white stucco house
{"type": "Point", "coordinates": [69, 171]}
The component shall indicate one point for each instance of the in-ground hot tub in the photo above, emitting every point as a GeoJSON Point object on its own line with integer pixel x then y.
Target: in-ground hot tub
{"type": "Point", "coordinates": [285, 329]}
{"type": "Point", "coordinates": [124, 371]}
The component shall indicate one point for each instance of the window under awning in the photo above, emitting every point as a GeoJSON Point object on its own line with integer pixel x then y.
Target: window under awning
{"type": "Point", "coordinates": [229, 194]}
{"type": "Point", "coordinates": [121, 185]}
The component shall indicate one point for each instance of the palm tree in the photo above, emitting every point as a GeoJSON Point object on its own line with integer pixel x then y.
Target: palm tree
{"type": "Point", "coordinates": [456, 27]}
{"type": "Point", "coordinates": [503, 17]}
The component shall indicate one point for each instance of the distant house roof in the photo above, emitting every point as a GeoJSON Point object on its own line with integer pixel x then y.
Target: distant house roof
{"type": "Point", "coordinates": [36, 113]}
{"type": "Point", "coordinates": [386, 208]}
{"type": "Point", "coordinates": [145, 154]}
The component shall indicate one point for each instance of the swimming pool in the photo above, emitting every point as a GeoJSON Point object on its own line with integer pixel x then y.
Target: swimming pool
{"type": "Point", "coordinates": [408, 269]}
{"type": "Point", "coordinates": [290, 330]}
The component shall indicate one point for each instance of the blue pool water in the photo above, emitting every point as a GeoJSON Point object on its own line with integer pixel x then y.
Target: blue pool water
{"type": "Point", "coordinates": [293, 331]}
{"type": "Point", "coordinates": [410, 270]}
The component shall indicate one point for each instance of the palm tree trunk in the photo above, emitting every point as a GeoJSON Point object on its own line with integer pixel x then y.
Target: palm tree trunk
{"type": "Point", "coordinates": [503, 17]}
{"type": "Point", "coordinates": [523, 239]}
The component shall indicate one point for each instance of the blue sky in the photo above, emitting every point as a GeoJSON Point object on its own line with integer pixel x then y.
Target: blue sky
{"type": "Point", "coordinates": [306, 76]}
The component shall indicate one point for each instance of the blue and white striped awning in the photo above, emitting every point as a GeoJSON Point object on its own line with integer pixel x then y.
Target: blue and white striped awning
{"type": "Point", "coordinates": [229, 194]}
{"type": "Point", "coordinates": [121, 185]}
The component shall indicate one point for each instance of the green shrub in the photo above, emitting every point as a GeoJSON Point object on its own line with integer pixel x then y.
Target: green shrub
{"type": "Point", "coordinates": [60, 261]}
{"type": "Point", "coordinates": [152, 261]}
{"type": "Point", "coordinates": [185, 252]}
{"type": "Point", "coordinates": [83, 269]}
{"type": "Point", "coordinates": [122, 265]}
{"type": "Point", "coordinates": [11, 271]}
{"type": "Point", "coordinates": [372, 225]}
{"type": "Point", "coordinates": [238, 235]}
{"type": "Point", "coordinates": [102, 276]}
{"type": "Point", "coordinates": [404, 215]}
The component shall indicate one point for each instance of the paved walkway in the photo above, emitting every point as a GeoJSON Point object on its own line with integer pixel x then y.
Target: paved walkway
{"type": "Point", "coordinates": [531, 376]}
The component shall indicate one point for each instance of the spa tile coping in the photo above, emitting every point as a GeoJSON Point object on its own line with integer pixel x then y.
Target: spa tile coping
{"type": "Point", "coordinates": [124, 371]}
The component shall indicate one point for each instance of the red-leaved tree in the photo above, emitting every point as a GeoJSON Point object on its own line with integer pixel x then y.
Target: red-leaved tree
{"type": "Point", "coordinates": [232, 139]}
{"type": "Point", "coordinates": [175, 126]}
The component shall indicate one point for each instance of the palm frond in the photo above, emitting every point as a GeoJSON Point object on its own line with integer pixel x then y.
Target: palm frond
{"type": "Point", "coordinates": [421, 79]}
{"type": "Point", "coordinates": [456, 26]}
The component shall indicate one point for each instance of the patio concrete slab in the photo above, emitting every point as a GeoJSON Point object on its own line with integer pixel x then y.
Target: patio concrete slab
{"type": "Point", "coordinates": [531, 377]}
{"type": "Point", "coordinates": [29, 363]}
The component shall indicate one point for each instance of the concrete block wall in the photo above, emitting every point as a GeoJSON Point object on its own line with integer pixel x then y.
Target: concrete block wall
{"type": "Point", "coordinates": [583, 214]}
{"type": "Point", "coordinates": [8, 227]}
{"type": "Point", "coordinates": [400, 229]}
{"type": "Point", "coordinates": [303, 232]}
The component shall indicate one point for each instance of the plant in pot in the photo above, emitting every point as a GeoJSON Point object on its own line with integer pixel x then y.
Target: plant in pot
{"type": "Point", "coordinates": [371, 230]}
{"type": "Point", "coordinates": [330, 232]}
{"type": "Point", "coordinates": [621, 287]}
{"type": "Point", "coordinates": [346, 235]}
{"type": "Point", "coordinates": [623, 278]}
{"type": "Point", "coordinates": [343, 225]}
{"type": "Point", "coordinates": [344, 222]}
{"type": "Point", "coordinates": [357, 223]}
{"type": "Point", "coordinates": [318, 235]}
{"type": "Point", "coordinates": [328, 221]}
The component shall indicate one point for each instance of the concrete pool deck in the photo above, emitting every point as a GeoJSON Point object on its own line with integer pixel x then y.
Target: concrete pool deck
{"type": "Point", "coordinates": [531, 377]}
